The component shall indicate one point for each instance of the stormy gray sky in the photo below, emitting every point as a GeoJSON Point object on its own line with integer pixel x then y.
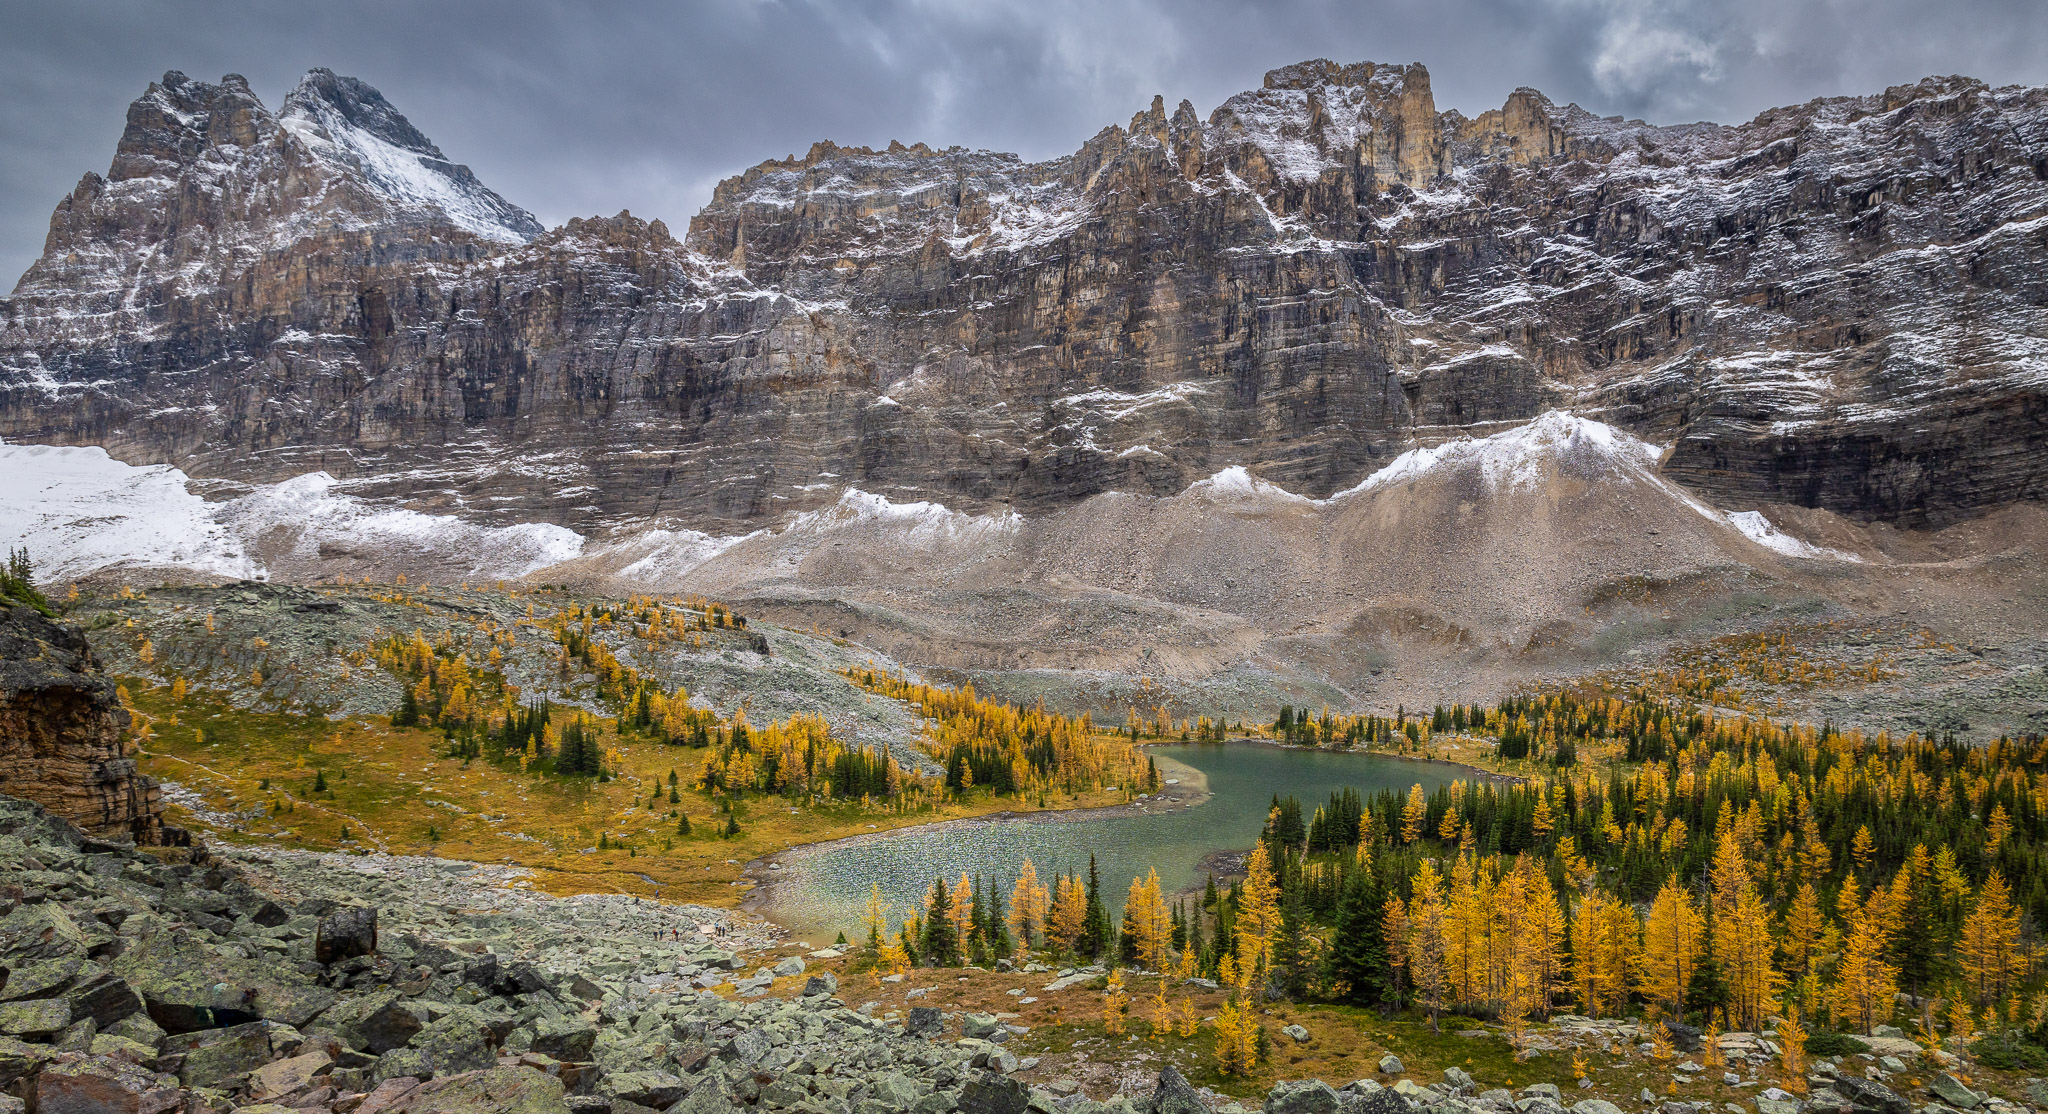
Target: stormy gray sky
{"type": "Point", "coordinates": [581, 108]}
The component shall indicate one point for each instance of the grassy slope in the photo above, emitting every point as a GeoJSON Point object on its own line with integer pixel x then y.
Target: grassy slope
{"type": "Point", "coordinates": [388, 785]}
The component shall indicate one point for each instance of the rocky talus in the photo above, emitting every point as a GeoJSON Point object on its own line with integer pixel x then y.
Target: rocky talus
{"type": "Point", "coordinates": [64, 736]}
{"type": "Point", "coordinates": [1838, 305]}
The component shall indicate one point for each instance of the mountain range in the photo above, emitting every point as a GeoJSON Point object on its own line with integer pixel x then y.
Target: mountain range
{"type": "Point", "coordinates": [1330, 390]}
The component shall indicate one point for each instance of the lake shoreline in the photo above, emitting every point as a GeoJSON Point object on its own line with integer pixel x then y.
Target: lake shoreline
{"type": "Point", "coordinates": [775, 885]}
{"type": "Point", "coordinates": [1190, 788]}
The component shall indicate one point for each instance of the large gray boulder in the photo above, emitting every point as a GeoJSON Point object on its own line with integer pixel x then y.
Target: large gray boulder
{"type": "Point", "coordinates": [987, 1092]}
{"type": "Point", "coordinates": [1301, 1096]}
{"type": "Point", "coordinates": [1868, 1094]}
{"type": "Point", "coordinates": [566, 1038]}
{"type": "Point", "coordinates": [345, 934]}
{"type": "Point", "coordinates": [376, 1023]}
{"type": "Point", "coordinates": [1175, 1095]}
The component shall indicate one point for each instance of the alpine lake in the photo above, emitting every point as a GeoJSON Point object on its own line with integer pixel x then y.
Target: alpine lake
{"type": "Point", "coordinates": [1214, 798]}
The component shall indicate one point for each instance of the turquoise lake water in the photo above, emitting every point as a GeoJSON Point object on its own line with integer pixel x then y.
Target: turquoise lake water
{"type": "Point", "coordinates": [821, 892]}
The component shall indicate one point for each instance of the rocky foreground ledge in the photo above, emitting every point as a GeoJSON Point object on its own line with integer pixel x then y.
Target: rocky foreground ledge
{"type": "Point", "coordinates": [274, 981]}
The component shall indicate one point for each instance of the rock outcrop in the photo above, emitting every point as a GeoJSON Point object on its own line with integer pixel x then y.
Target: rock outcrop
{"type": "Point", "coordinates": [1836, 305]}
{"type": "Point", "coordinates": [64, 740]}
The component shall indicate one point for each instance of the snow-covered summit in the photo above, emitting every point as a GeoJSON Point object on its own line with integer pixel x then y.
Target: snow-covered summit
{"type": "Point", "coordinates": [346, 122]}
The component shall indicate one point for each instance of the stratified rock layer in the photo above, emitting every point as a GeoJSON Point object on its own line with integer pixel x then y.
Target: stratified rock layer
{"type": "Point", "coordinates": [63, 734]}
{"type": "Point", "coordinates": [1838, 304]}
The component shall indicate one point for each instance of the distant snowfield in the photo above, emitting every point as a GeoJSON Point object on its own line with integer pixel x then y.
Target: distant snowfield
{"type": "Point", "coordinates": [78, 511]}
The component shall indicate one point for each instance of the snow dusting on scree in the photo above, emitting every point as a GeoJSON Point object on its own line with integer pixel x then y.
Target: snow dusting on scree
{"type": "Point", "coordinates": [1518, 457]}
{"type": "Point", "coordinates": [1525, 456]}
{"type": "Point", "coordinates": [919, 521]}
{"type": "Point", "coordinates": [79, 511]}
{"type": "Point", "coordinates": [310, 507]}
{"type": "Point", "coordinates": [666, 555]}
{"type": "Point", "coordinates": [1759, 529]}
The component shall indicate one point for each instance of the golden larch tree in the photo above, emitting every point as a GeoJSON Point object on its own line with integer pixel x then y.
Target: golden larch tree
{"type": "Point", "coordinates": [1027, 906]}
{"type": "Point", "coordinates": [1425, 942]}
{"type": "Point", "coordinates": [1151, 923]}
{"type": "Point", "coordinates": [1258, 918]}
{"type": "Point", "coordinates": [1989, 947]}
{"type": "Point", "coordinates": [1673, 936]}
{"type": "Point", "coordinates": [1603, 950]}
{"type": "Point", "coordinates": [1413, 814]}
{"type": "Point", "coordinates": [1865, 987]}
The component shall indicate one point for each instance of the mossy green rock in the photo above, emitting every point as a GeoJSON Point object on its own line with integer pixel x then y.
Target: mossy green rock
{"type": "Point", "coordinates": [492, 1091]}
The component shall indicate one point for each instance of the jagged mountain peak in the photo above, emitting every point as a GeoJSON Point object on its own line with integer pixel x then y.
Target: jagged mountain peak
{"type": "Point", "coordinates": [360, 104]}
{"type": "Point", "coordinates": [1391, 76]}
{"type": "Point", "coordinates": [177, 121]}
{"type": "Point", "coordinates": [348, 121]}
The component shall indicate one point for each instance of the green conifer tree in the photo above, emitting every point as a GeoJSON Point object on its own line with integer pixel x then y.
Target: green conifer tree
{"type": "Point", "coordinates": [1358, 948]}
{"type": "Point", "coordinates": [941, 945]}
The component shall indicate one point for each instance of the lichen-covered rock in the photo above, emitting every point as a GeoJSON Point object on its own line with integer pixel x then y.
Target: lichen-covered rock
{"type": "Point", "coordinates": [218, 1057]}
{"type": "Point", "coordinates": [185, 987]}
{"type": "Point", "coordinates": [19, 1059]}
{"type": "Point", "coordinates": [102, 1085]}
{"type": "Point", "coordinates": [38, 1020]}
{"type": "Point", "coordinates": [376, 1023]}
{"type": "Point", "coordinates": [496, 1090]}
{"type": "Point", "coordinates": [1385, 1100]}
{"type": "Point", "coordinates": [1304, 1096]}
{"type": "Point", "coordinates": [987, 1092]}
{"type": "Point", "coordinates": [1870, 1095]}
{"type": "Point", "coordinates": [1173, 1094]}
{"type": "Point", "coordinates": [286, 1079]}
{"type": "Point", "coordinates": [571, 1038]}
{"type": "Point", "coordinates": [924, 1021]}
{"type": "Point", "coordinates": [651, 1087]}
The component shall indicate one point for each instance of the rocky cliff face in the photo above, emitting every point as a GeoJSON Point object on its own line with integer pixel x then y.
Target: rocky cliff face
{"type": "Point", "coordinates": [1835, 305]}
{"type": "Point", "coordinates": [63, 735]}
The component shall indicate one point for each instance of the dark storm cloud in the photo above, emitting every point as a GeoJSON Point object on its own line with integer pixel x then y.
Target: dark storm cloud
{"type": "Point", "coordinates": [574, 109]}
